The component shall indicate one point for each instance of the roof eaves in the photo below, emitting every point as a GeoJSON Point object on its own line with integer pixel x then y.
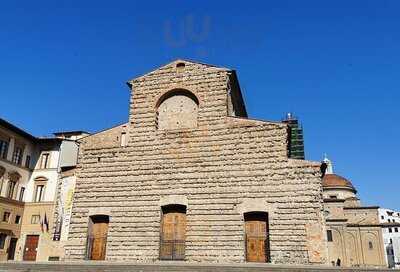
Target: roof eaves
{"type": "Point", "coordinates": [16, 129]}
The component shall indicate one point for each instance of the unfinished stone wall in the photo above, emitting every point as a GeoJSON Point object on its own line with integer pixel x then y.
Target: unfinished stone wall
{"type": "Point", "coordinates": [220, 169]}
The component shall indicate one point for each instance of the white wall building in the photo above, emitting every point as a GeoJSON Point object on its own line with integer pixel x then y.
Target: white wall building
{"type": "Point", "coordinates": [391, 235]}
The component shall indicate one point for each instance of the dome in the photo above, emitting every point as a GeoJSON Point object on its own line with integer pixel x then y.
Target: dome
{"type": "Point", "coordinates": [336, 181]}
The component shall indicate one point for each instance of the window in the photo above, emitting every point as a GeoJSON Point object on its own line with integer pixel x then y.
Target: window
{"type": "Point", "coordinates": [3, 238]}
{"type": "Point", "coordinates": [382, 217]}
{"type": "Point", "coordinates": [28, 161]}
{"type": "Point", "coordinates": [389, 220]}
{"type": "Point", "coordinates": [390, 230]}
{"type": "Point", "coordinates": [123, 139]}
{"type": "Point", "coordinates": [17, 219]}
{"type": "Point", "coordinates": [3, 148]}
{"type": "Point", "coordinates": [370, 245]}
{"type": "Point", "coordinates": [396, 230]}
{"type": "Point", "coordinates": [333, 196]}
{"type": "Point", "coordinates": [17, 155]}
{"type": "Point", "coordinates": [180, 67]}
{"type": "Point", "coordinates": [44, 161]}
{"type": "Point", "coordinates": [35, 219]}
{"type": "Point", "coordinates": [390, 241]}
{"type": "Point", "coordinates": [21, 194]}
{"type": "Point", "coordinates": [6, 216]}
{"type": "Point", "coordinates": [329, 235]}
{"type": "Point", "coordinates": [10, 189]}
{"type": "Point", "coordinates": [39, 193]}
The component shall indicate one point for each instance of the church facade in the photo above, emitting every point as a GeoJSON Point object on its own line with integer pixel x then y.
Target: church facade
{"type": "Point", "coordinates": [191, 177]}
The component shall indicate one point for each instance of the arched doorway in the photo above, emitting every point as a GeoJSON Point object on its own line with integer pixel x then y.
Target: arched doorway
{"type": "Point", "coordinates": [257, 237]}
{"type": "Point", "coordinates": [173, 232]}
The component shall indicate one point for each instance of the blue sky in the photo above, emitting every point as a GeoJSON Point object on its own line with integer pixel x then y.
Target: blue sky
{"type": "Point", "coordinates": [336, 64]}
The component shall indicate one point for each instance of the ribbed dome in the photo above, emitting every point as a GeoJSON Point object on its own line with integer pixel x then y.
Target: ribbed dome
{"type": "Point", "coordinates": [336, 181]}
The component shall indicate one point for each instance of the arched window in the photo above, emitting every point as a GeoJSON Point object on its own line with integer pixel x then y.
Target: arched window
{"type": "Point", "coordinates": [177, 109]}
{"type": "Point", "coordinates": [173, 232]}
{"type": "Point", "coordinates": [257, 237]}
{"type": "Point", "coordinates": [370, 245]}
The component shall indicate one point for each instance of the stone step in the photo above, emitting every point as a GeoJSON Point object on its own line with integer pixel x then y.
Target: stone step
{"type": "Point", "coordinates": [86, 266]}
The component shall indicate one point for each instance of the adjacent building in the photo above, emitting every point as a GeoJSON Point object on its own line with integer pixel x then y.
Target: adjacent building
{"type": "Point", "coordinates": [390, 221]}
{"type": "Point", "coordinates": [191, 177]}
{"type": "Point", "coordinates": [354, 232]}
{"type": "Point", "coordinates": [30, 172]}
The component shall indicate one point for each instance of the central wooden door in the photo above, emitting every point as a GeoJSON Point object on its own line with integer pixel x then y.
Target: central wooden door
{"type": "Point", "coordinates": [173, 233]}
{"type": "Point", "coordinates": [30, 249]}
{"type": "Point", "coordinates": [257, 243]}
{"type": "Point", "coordinates": [98, 238]}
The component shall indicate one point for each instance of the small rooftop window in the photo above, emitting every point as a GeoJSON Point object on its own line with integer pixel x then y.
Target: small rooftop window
{"type": "Point", "coordinates": [180, 66]}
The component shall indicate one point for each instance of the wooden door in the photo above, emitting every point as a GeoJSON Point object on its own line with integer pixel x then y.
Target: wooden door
{"type": "Point", "coordinates": [11, 249]}
{"type": "Point", "coordinates": [173, 235]}
{"type": "Point", "coordinates": [99, 240]}
{"type": "Point", "coordinates": [256, 227]}
{"type": "Point", "coordinates": [30, 249]}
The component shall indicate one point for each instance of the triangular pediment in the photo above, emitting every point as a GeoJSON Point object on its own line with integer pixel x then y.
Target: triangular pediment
{"type": "Point", "coordinates": [176, 63]}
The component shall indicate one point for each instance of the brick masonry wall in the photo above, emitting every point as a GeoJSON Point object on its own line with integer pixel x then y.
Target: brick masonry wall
{"type": "Point", "coordinates": [221, 169]}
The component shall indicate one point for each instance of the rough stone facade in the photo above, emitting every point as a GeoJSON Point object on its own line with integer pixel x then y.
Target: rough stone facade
{"type": "Point", "coordinates": [223, 167]}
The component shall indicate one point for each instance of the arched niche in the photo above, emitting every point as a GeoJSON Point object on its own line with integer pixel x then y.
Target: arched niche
{"type": "Point", "coordinates": [177, 109]}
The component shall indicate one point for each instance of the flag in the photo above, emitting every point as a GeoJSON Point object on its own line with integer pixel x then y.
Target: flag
{"type": "Point", "coordinates": [41, 224]}
{"type": "Point", "coordinates": [46, 222]}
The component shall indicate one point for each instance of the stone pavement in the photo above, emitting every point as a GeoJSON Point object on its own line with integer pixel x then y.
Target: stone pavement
{"type": "Point", "coordinates": [87, 266]}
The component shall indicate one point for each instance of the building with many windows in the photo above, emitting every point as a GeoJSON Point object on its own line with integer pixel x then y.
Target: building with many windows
{"type": "Point", "coordinates": [391, 235]}
{"type": "Point", "coordinates": [30, 175]}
